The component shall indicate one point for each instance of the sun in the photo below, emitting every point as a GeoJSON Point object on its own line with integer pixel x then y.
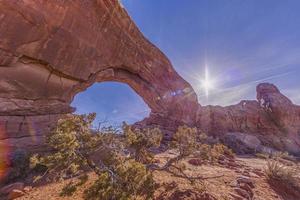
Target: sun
{"type": "Point", "coordinates": [207, 83]}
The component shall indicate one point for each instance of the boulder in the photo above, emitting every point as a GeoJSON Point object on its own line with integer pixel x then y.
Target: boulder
{"type": "Point", "coordinates": [242, 143]}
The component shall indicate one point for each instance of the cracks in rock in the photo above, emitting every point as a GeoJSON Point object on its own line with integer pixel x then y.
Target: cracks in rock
{"type": "Point", "coordinates": [23, 136]}
{"type": "Point", "coordinates": [13, 8]}
{"type": "Point", "coordinates": [21, 125]}
{"type": "Point", "coordinates": [82, 84]}
{"type": "Point", "coordinates": [29, 60]}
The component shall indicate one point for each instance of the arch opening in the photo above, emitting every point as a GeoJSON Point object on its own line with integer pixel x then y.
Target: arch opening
{"type": "Point", "coordinates": [113, 102]}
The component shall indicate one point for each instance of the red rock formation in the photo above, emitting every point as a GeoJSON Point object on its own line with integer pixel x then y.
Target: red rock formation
{"type": "Point", "coordinates": [51, 50]}
{"type": "Point", "coordinates": [273, 118]}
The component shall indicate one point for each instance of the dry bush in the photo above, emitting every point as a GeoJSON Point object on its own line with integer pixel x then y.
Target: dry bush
{"type": "Point", "coordinates": [279, 155]}
{"type": "Point", "coordinates": [283, 179]}
{"type": "Point", "coordinates": [185, 139]}
{"type": "Point", "coordinates": [213, 153]}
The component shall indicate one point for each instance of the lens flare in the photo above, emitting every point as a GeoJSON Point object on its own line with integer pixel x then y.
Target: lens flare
{"type": "Point", "coordinates": [207, 84]}
{"type": "Point", "coordinates": [31, 130]}
{"type": "Point", "coordinates": [4, 152]}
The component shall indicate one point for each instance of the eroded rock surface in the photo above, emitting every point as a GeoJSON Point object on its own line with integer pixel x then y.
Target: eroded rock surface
{"type": "Point", "coordinates": [273, 119]}
{"type": "Point", "coordinates": [52, 50]}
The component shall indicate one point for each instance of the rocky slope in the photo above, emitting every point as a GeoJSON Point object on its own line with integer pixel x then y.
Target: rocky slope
{"type": "Point", "coordinates": [270, 123]}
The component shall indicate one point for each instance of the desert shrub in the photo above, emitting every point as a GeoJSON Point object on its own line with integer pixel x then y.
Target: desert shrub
{"type": "Point", "coordinates": [278, 155]}
{"type": "Point", "coordinates": [188, 142]}
{"type": "Point", "coordinates": [140, 141]}
{"type": "Point", "coordinates": [132, 180]}
{"type": "Point", "coordinates": [282, 155]}
{"type": "Point", "coordinates": [68, 190]}
{"type": "Point", "coordinates": [19, 161]}
{"type": "Point", "coordinates": [203, 152]}
{"type": "Point", "coordinates": [73, 144]}
{"type": "Point", "coordinates": [219, 150]}
{"type": "Point", "coordinates": [213, 153]}
{"type": "Point", "coordinates": [185, 139]}
{"type": "Point", "coordinates": [282, 178]}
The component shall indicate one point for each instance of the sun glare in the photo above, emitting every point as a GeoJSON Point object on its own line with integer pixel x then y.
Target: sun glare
{"type": "Point", "coordinates": [207, 84]}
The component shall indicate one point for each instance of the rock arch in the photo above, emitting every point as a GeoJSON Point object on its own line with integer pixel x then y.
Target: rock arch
{"type": "Point", "coordinates": [52, 50]}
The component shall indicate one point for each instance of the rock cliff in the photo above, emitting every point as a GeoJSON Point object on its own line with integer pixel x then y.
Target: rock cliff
{"type": "Point", "coordinates": [52, 50]}
{"type": "Point", "coordinates": [272, 118]}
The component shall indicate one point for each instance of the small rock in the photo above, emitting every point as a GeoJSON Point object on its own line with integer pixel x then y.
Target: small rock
{"type": "Point", "coordinates": [246, 173]}
{"type": "Point", "coordinates": [27, 189]}
{"type": "Point", "coordinates": [222, 157]}
{"type": "Point", "coordinates": [233, 184]}
{"type": "Point", "coordinates": [14, 186]}
{"type": "Point", "coordinates": [195, 162]}
{"type": "Point", "coordinates": [251, 174]}
{"type": "Point", "coordinates": [247, 180]}
{"type": "Point", "coordinates": [221, 162]}
{"type": "Point", "coordinates": [15, 194]}
{"type": "Point", "coordinates": [242, 193]}
{"type": "Point", "coordinates": [236, 197]}
{"type": "Point", "coordinates": [233, 164]}
{"type": "Point", "coordinates": [258, 172]}
{"type": "Point", "coordinates": [247, 188]}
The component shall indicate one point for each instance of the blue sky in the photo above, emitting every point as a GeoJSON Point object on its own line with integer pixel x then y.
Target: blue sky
{"type": "Point", "coordinates": [240, 42]}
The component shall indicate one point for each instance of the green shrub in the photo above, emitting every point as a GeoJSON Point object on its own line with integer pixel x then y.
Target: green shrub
{"type": "Point", "coordinates": [213, 153]}
{"type": "Point", "coordinates": [68, 190]}
{"type": "Point", "coordinates": [73, 143]}
{"type": "Point", "coordinates": [140, 141]}
{"type": "Point", "coordinates": [131, 180]}
{"type": "Point", "coordinates": [185, 139]}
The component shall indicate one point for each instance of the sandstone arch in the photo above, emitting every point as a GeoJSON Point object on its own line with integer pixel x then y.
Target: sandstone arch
{"type": "Point", "coordinates": [51, 50]}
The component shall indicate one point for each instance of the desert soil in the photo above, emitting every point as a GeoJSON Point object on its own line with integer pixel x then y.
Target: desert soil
{"type": "Point", "coordinates": [225, 180]}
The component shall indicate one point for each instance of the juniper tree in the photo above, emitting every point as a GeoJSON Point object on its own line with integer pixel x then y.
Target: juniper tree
{"type": "Point", "coordinates": [73, 143]}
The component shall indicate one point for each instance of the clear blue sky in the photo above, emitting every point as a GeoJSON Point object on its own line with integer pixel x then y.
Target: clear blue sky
{"type": "Point", "coordinates": [241, 43]}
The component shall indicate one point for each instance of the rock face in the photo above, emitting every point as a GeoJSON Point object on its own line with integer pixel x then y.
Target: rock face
{"type": "Point", "coordinates": [273, 119]}
{"type": "Point", "coordinates": [52, 50]}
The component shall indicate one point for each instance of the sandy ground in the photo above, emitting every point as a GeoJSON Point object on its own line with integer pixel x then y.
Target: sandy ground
{"type": "Point", "coordinates": [220, 182]}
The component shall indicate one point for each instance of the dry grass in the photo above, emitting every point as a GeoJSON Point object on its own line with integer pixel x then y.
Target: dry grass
{"type": "Point", "coordinates": [283, 179]}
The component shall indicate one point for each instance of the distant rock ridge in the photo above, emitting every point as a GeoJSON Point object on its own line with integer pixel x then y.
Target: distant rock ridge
{"type": "Point", "coordinates": [52, 50]}
{"type": "Point", "coordinates": [272, 118]}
